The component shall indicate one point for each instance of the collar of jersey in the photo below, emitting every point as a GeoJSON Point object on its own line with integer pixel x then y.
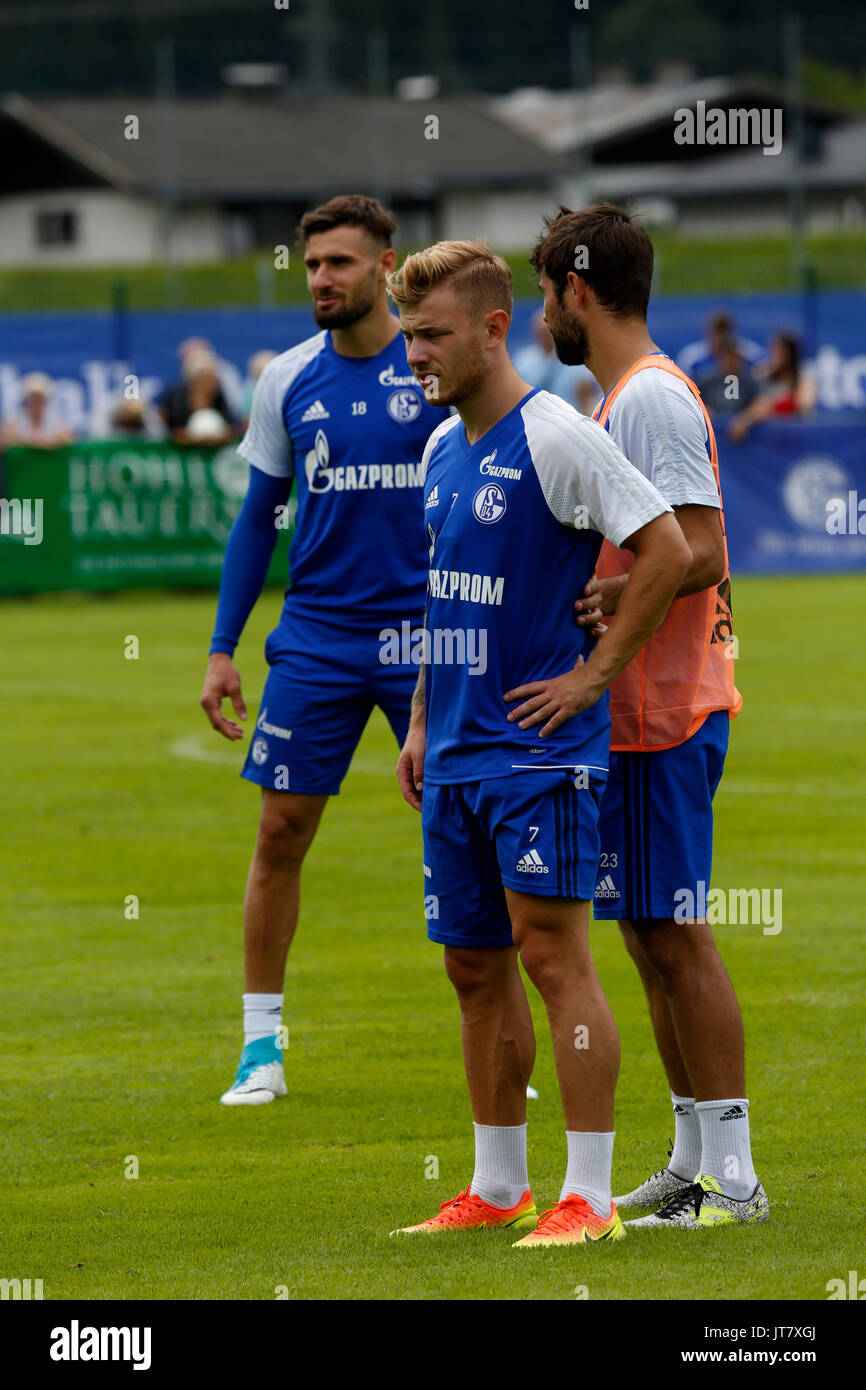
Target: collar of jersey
{"type": "Point", "coordinates": [659, 352]}
{"type": "Point", "coordinates": [485, 438]}
{"type": "Point", "coordinates": [361, 361]}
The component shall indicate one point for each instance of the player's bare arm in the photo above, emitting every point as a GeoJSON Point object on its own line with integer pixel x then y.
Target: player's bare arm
{"type": "Point", "coordinates": [702, 529]}
{"type": "Point", "coordinates": [222, 681]}
{"type": "Point", "coordinates": [662, 559]}
{"type": "Point", "coordinates": [410, 764]}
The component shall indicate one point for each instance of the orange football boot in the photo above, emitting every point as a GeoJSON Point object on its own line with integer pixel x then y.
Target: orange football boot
{"type": "Point", "coordinates": [573, 1222]}
{"type": "Point", "coordinates": [468, 1212]}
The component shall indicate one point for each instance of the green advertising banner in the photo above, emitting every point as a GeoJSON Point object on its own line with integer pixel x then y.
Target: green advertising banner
{"type": "Point", "coordinates": [121, 515]}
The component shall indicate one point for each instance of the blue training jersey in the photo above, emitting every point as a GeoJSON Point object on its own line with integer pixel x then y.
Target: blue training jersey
{"type": "Point", "coordinates": [351, 432]}
{"type": "Point", "coordinates": [514, 526]}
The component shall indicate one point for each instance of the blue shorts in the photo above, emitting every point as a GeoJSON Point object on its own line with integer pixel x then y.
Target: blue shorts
{"type": "Point", "coordinates": [535, 833]}
{"type": "Point", "coordinates": [322, 687]}
{"type": "Point", "coordinates": [657, 824]}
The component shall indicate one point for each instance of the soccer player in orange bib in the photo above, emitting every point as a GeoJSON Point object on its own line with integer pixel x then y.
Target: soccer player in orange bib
{"type": "Point", "coordinates": [670, 713]}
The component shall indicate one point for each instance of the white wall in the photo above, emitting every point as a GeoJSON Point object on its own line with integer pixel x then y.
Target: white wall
{"type": "Point", "coordinates": [509, 220]}
{"type": "Point", "coordinates": [741, 216]}
{"type": "Point", "coordinates": [113, 229]}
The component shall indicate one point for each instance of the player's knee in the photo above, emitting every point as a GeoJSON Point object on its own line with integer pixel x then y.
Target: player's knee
{"type": "Point", "coordinates": [284, 836]}
{"type": "Point", "coordinates": [472, 973]}
{"type": "Point", "coordinates": [674, 949]}
{"type": "Point", "coordinates": [541, 957]}
{"type": "Point", "coordinates": [541, 972]}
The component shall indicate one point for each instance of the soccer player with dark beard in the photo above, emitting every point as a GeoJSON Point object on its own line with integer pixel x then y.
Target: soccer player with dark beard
{"type": "Point", "coordinates": [342, 417]}
{"type": "Point", "coordinates": [671, 709]}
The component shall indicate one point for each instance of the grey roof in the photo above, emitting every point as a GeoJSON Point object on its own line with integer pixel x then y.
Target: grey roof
{"type": "Point", "coordinates": [611, 115]}
{"type": "Point", "coordinates": [262, 148]}
{"type": "Point", "coordinates": [840, 165]}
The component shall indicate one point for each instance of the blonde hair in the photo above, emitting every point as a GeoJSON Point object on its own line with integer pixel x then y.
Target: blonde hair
{"type": "Point", "coordinates": [477, 275]}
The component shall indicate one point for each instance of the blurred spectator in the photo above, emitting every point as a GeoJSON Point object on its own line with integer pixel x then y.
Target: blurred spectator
{"type": "Point", "coordinates": [785, 390]}
{"type": "Point", "coordinates": [199, 392]}
{"type": "Point", "coordinates": [730, 386]}
{"type": "Point", "coordinates": [36, 422]}
{"type": "Point", "coordinates": [720, 332]}
{"type": "Point", "coordinates": [700, 359]}
{"type": "Point", "coordinates": [229, 377]}
{"type": "Point", "coordinates": [193, 345]}
{"type": "Point", "coordinates": [135, 420]}
{"type": "Point", "coordinates": [199, 362]}
{"type": "Point", "coordinates": [255, 367]}
{"type": "Point", "coordinates": [539, 365]}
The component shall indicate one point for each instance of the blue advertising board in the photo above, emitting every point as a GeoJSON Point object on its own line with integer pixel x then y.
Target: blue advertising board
{"type": "Point", "coordinates": [88, 356]}
{"type": "Point", "coordinates": [779, 483]}
{"type": "Point", "coordinates": [795, 498]}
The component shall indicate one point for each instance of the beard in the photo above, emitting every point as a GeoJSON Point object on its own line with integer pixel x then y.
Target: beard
{"type": "Point", "coordinates": [354, 307]}
{"type": "Point", "coordinates": [570, 339]}
{"type": "Point", "coordinates": [570, 343]}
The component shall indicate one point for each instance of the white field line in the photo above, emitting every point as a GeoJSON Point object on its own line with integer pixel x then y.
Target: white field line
{"type": "Point", "coordinates": [205, 748]}
{"type": "Point", "coordinates": [193, 748]}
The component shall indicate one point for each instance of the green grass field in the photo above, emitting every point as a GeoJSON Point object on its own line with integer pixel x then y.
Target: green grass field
{"type": "Point", "coordinates": [120, 1035]}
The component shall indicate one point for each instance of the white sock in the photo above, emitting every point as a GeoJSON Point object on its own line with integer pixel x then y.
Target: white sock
{"type": "Point", "coordinates": [263, 1015]}
{"type": "Point", "coordinates": [501, 1175]}
{"type": "Point", "coordinates": [588, 1174]}
{"type": "Point", "coordinates": [685, 1159]}
{"type": "Point", "coordinates": [726, 1151]}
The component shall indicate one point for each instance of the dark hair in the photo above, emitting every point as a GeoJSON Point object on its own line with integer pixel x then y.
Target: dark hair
{"type": "Point", "coordinates": [352, 210]}
{"type": "Point", "coordinates": [791, 347]}
{"type": "Point", "coordinates": [618, 256]}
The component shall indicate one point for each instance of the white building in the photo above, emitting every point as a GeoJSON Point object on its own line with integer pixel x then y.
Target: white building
{"type": "Point", "coordinates": [107, 181]}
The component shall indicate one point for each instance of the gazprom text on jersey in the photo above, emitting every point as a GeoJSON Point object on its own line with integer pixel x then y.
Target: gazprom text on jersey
{"type": "Point", "coordinates": [476, 588]}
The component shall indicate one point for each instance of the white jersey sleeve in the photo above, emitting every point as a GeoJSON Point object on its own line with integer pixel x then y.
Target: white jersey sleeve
{"type": "Point", "coordinates": [660, 428]}
{"type": "Point", "coordinates": [440, 431]}
{"type": "Point", "coordinates": [266, 443]}
{"type": "Point", "coordinates": [586, 480]}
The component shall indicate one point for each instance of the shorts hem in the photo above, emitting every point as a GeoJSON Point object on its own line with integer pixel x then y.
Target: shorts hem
{"type": "Point", "coordinates": [539, 890]}
{"type": "Point", "coordinates": [443, 939]}
{"type": "Point", "coordinates": [615, 914]}
{"type": "Point", "coordinates": [330, 790]}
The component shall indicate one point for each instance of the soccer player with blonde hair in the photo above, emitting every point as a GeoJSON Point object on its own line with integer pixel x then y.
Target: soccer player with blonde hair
{"type": "Point", "coordinates": [506, 755]}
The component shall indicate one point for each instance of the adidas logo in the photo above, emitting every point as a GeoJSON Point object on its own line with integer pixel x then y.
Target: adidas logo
{"type": "Point", "coordinates": [736, 1112]}
{"type": "Point", "coordinates": [607, 888]}
{"type": "Point", "coordinates": [679, 1110]}
{"type": "Point", "coordinates": [433, 499]}
{"type": "Point", "coordinates": [532, 863]}
{"type": "Point", "coordinates": [428, 872]}
{"type": "Point", "coordinates": [316, 412]}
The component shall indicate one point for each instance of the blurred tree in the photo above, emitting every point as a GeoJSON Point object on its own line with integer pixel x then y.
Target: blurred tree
{"type": "Point", "coordinates": [102, 46]}
{"type": "Point", "coordinates": [837, 86]}
{"type": "Point", "coordinates": [638, 37]}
